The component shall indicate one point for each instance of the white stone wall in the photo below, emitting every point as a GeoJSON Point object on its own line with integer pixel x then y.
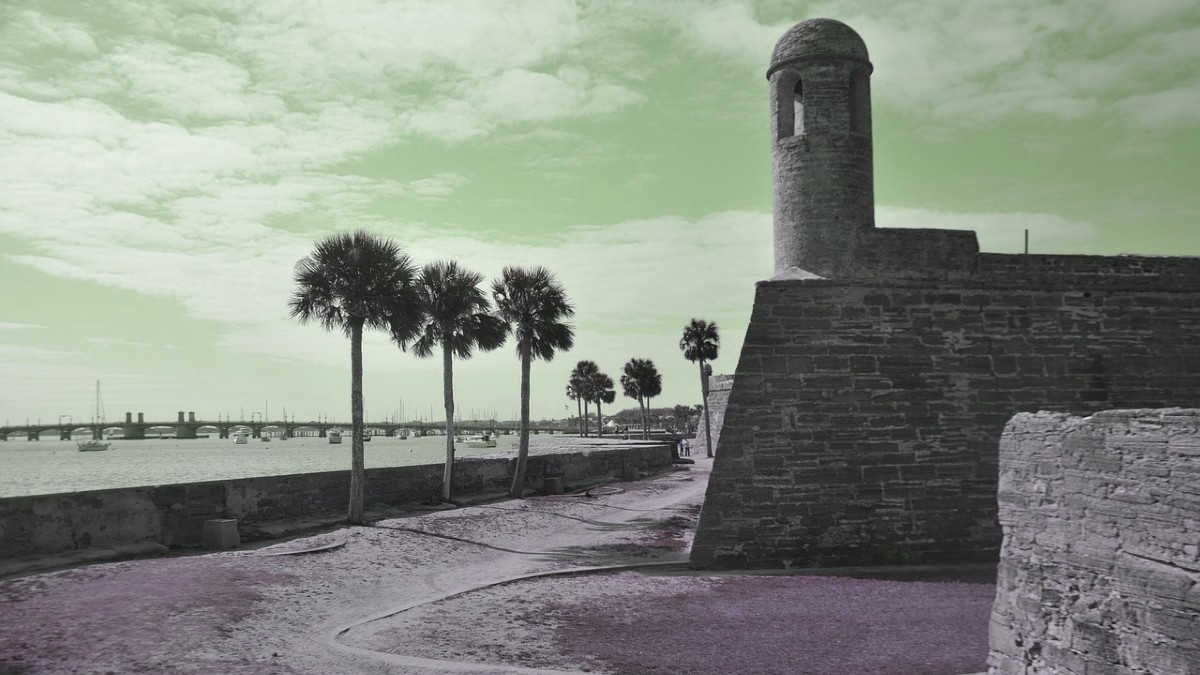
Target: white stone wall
{"type": "Point", "coordinates": [1100, 565]}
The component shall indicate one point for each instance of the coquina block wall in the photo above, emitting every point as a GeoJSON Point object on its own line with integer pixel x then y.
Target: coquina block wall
{"type": "Point", "coordinates": [1100, 567]}
{"type": "Point", "coordinates": [865, 417]}
{"type": "Point", "coordinates": [719, 387]}
{"type": "Point", "coordinates": [880, 366]}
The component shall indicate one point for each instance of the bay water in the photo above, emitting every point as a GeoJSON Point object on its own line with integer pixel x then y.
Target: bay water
{"type": "Point", "coordinates": [53, 466]}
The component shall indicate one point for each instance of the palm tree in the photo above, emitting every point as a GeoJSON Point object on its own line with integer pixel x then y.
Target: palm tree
{"type": "Point", "coordinates": [534, 304]}
{"type": "Point", "coordinates": [642, 382]}
{"type": "Point", "coordinates": [602, 392]}
{"type": "Point", "coordinates": [582, 377]}
{"type": "Point", "coordinates": [700, 342]}
{"type": "Point", "coordinates": [349, 282]}
{"type": "Point", "coordinates": [573, 394]}
{"type": "Point", "coordinates": [458, 318]}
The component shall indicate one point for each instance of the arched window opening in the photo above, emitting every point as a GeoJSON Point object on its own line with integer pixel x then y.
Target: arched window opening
{"type": "Point", "coordinates": [860, 102]}
{"type": "Point", "coordinates": [798, 110]}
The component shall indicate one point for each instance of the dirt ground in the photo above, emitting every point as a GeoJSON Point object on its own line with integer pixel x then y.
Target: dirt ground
{"type": "Point", "coordinates": [509, 587]}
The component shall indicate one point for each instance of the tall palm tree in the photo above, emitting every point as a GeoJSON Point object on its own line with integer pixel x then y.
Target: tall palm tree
{"type": "Point", "coordinates": [602, 392]}
{"type": "Point", "coordinates": [534, 304]}
{"type": "Point", "coordinates": [573, 394]}
{"type": "Point", "coordinates": [582, 376]}
{"type": "Point", "coordinates": [700, 342]}
{"type": "Point", "coordinates": [349, 282]}
{"type": "Point", "coordinates": [641, 381]}
{"type": "Point", "coordinates": [458, 318]}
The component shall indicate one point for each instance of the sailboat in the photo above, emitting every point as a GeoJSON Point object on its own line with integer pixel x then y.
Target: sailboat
{"type": "Point", "coordinates": [95, 443]}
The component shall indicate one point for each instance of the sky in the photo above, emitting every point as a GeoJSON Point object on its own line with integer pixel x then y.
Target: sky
{"type": "Point", "coordinates": [164, 164]}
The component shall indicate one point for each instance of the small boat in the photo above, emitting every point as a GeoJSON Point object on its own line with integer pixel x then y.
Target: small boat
{"type": "Point", "coordinates": [335, 436]}
{"type": "Point", "coordinates": [477, 441]}
{"type": "Point", "coordinates": [241, 438]}
{"type": "Point", "coordinates": [96, 443]}
{"type": "Point", "coordinates": [93, 445]}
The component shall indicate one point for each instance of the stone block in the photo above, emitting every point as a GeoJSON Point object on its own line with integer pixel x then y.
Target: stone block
{"type": "Point", "coordinates": [220, 534]}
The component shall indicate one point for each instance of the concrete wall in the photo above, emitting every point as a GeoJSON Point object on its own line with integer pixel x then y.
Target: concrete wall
{"type": "Point", "coordinates": [1100, 567]}
{"type": "Point", "coordinates": [865, 416]}
{"type": "Point", "coordinates": [174, 514]}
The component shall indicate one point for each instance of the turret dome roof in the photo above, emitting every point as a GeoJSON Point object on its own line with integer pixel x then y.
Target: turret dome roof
{"type": "Point", "coordinates": [819, 38]}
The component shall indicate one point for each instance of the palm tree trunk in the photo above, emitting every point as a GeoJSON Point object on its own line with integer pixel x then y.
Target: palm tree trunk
{"type": "Point", "coordinates": [585, 418]}
{"type": "Point", "coordinates": [357, 470]}
{"type": "Point", "coordinates": [448, 400]}
{"type": "Point", "coordinates": [579, 412]}
{"type": "Point", "coordinates": [518, 484]}
{"type": "Point", "coordinates": [599, 421]}
{"type": "Point", "coordinates": [645, 429]}
{"type": "Point", "coordinates": [707, 417]}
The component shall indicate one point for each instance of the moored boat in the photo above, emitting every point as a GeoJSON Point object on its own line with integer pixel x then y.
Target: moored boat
{"type": "Point", "coordinates": [477, 441]}
{"type": "Point", "coordinates": [96, 443]}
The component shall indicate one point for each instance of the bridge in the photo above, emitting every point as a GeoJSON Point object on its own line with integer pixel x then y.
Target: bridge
{"type": "Point", "coordinates": [185, 427]}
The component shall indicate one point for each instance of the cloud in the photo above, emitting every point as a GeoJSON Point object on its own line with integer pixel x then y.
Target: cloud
{"type": "Point", "coordinates": [7, 325]}
{"type": "Point", "coordinates": [119, 342]}
{"type": "Point", "coordinates": [997, 232]}
{"type": "Point", "coordinates": [967, 64]}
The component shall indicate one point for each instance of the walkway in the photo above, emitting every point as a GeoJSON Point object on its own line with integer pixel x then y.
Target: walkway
{"type": "Point", "coordinates": [419, 595]}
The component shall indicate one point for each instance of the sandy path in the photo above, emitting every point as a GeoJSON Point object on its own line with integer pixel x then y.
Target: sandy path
{"type": "Point", "coordinates": [418, 595]}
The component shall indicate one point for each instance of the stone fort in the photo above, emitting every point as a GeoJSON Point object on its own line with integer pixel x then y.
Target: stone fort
{"type": "Point", "coordinates": [880, 366]}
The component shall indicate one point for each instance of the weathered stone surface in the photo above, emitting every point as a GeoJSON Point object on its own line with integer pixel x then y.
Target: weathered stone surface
{"type": "Point", "coordinates": [719, 387]}
{"type": "Point", "coordinates": [864, 420]}
{"type": "Point", "coordinates": [1100, 567]}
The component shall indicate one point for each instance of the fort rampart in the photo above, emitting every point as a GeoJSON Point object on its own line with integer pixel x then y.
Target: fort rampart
{"type": "Point", "coordinates": [174, 515]}
{"type": "Point", "coordinates": [1100, 570]}
{"type": "Point", "coordinates": [865, 416]}
{"type": "Point", "coordinates": [881, 365]}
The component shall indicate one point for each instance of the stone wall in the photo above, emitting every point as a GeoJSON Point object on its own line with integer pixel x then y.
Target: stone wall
{"type": "Point", "coordinates": [719, 387]}
{"type": "Point", "coordinates": [174, 514]}
{"type": "Point", "coordinates": [865, 416]}
{"type": "Point", "coordinates": [1100, 567]}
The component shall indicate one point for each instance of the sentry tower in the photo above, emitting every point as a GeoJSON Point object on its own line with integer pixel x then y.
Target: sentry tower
{"type": "Point", "coordinates": [822, 158]}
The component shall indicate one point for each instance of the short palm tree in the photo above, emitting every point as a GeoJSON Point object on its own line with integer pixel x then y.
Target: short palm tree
{"type": "Point", "coordinates": [602, 392]}
{"type": "Point", "coordinates": [700, 342]}
{"type": "Point", "coordinates": [457, 318]}
{"type": "Point", "coordinates": [641, 380]}
{"type": "Point", "coordinates": [349, 282]}
{"type": "Point", "coordinates": [683, 416]}
{"type": "Point", "coordinates": [582, 375]}
{"type": "Point", "coordinates": [534, 304]}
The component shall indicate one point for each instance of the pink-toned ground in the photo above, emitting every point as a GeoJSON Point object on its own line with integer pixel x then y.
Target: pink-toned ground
{"type": "Point", "coordinates": [395, 598]}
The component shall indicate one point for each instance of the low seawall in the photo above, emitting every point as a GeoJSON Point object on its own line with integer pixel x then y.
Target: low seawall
{"type": "Point", "coordinates": [174, 515]}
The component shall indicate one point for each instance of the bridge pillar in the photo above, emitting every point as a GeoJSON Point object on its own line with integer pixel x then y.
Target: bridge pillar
{"type": "Point", "coordinates": [255, 432]}
{"type": "Point", "coordinates": [321, 433]}
{"type": "Point", "coordinates": [222, 432]}
{"type": "Point", "coordinates": [182, 429]}
{"type": "Point", "coordinates": [132, 431]}
{"type": "Point", "coordinates": [33, 435]}
{"type": "Point", "coordinates": [64, 434]}
{"type": "Point", "coordinates": [191, 415]}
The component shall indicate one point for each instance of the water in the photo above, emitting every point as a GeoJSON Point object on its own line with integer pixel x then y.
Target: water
{"type": "Point", "coordinates": [48, 467]}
